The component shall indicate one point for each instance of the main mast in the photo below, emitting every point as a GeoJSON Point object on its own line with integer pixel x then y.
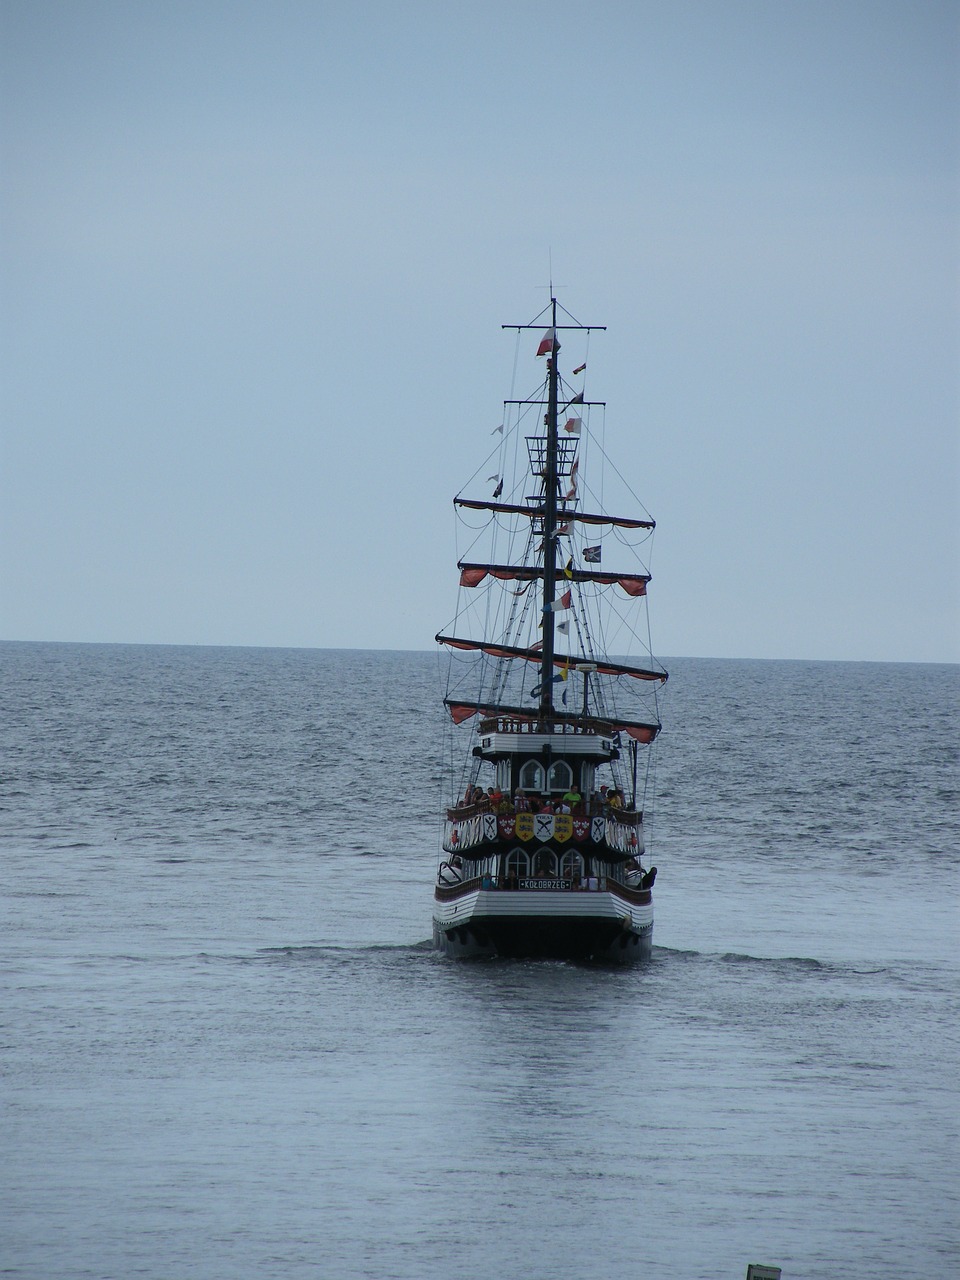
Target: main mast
{"type": "Point", "coordinates": [550, 527]}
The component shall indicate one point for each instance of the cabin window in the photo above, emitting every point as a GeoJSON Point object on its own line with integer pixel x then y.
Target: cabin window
{"type": "Point", "coordinates": [531, 776]}
{"type": "Point", "coordinates": [571, 866]}
{"type": "Point", "coordinates": [545, 863]}
{"type": "Point", "coordinates": [517, 863]}
{"type": "Point", "coordinates": [560, 777]}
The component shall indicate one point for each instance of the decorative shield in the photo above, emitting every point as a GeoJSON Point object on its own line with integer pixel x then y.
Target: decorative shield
{"type": "Point", "coordinates": [597, 829]}
{"type": "Point", "coordinates": [562, 827]}
{"type": "Point", "coordinates": [581, 828]}
{"type": "Point", "coordinates": [505, 826]}
{"type": "Point", "coordinates": [543, 825]}
{"type": "Point", "coordinates": [524, 826]}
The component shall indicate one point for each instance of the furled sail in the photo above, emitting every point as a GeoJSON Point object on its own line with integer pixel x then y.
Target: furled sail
{"type": "Point", "coordinates": [572, 661]}
{"type": "Point", "coordinates": [471, 575]}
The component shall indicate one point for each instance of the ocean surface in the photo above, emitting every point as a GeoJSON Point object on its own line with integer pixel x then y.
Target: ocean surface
{"type": "Point", "coordinates": [228, 1052]}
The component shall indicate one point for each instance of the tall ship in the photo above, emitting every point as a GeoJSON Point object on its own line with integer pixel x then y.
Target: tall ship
{"type": "Point", "coordinates": [551, 686]}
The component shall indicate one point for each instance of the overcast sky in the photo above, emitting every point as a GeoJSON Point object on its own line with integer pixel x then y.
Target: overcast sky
{"type": "Point", "coordinates": [256, 256]}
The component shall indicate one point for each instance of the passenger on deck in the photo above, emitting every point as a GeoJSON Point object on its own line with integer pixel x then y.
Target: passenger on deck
{"type": "Point", "coordinates": [545, 806]}
{"type": "Point", "coordinates": [615, 798]}
{"type": "Point", "coordinates": [562, 806]}
{"type": "Point", "coordinates": [574, 799]}
{"type": "Point", "coordinates": [520, 801]}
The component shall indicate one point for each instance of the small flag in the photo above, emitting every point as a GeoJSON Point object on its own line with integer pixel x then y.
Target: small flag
{"type": "Point", "coordinates": [591, 555]}
{"type": "Point", "coordinates": [498, 490]}
{"type": "Point", "coordinates": [568, 568]}
{"type": "Point", "coordinates": [573, 426]}
{"type": "Point", "coordinates": [496, 429]}
{"type": "Point", "coordinates": [548, 343]}
{"type": "Point", "coordinates": [580, 368]}
{"type": "Point", "coordinates": [572, 491]}
{"type": "Point", "coordinates": [495, 476]}
{"type": "Point", "coordinates": [563, 530]}
{"type": "Point", "coordinates": [536, 691]}
{"type": "Point", "coordinates": [558, 605]}
{"type": "Point", "coordinates": [563, 628]}
{"type": "Point", "coordinates": [577, 399]}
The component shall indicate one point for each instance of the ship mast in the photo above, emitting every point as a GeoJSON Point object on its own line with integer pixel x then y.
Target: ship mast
{"type": "Point", "coordinates": [550, 528]}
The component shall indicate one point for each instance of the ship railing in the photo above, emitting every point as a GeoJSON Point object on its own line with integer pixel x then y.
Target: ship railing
{"type": "Point", "coordinates": [626, 817]}
{"type": "Point", "coordinates": [522, 724]}
{"type": "Point", "coordinates": [540, 884]}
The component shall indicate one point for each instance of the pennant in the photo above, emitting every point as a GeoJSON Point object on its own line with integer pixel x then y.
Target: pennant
{"type": "Point", "coordinates": [580, 368]}
{"type": "Point", "coordinates": [495, 476]}
{"type": "Point", "coordinates": [568, 568]}
{"type": "Point", "coordinates": [496, 429]}
{"type": "Point", "coordinates": [564, 628]}
{"type": "Point", "coordinates": [591, 555]}
{"type": "Point", "coordinates": [548, 343]}
{"type": "Point", "coordinates": [572, 425]}
{"type": "Point", "coordinates": [562, 530]}
{"type": "Point", "coordinates": [577, 399]}
{"type": "Point", "coordinates": [572, 491]}
{"type": "Point", "coordinates": [498, 490]}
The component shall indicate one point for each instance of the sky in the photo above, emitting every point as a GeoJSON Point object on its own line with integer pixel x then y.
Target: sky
{"type": "Point", "coordinates": [255, 257]}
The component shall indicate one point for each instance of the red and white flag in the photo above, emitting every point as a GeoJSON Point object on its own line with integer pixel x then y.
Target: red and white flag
{"type": "Point", "coordinates": [548, 343]}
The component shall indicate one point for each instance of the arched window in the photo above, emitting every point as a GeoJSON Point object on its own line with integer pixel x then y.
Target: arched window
{"type": "Point", "coordinates": [531, 776]}
{"type": "Point", "coordinates": [517, 864]}
{"type": "Point", "coordinates": [545, 863]}
{"type": "Point", "coordinates": [571, 865]}
{"type": "Point", "coordinates": [560, 777]}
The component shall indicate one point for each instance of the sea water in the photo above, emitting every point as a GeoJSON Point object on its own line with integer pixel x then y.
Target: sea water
{"type": "Point", "coordinates": [227, 1051]}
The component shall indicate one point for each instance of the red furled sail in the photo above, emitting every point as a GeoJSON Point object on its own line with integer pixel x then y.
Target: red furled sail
{"type": "Point", "coordinates": [471, 575]}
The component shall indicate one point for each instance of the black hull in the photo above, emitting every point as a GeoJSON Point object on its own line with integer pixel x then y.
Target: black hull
{"type": "Point", "coordinates": [536, 938]}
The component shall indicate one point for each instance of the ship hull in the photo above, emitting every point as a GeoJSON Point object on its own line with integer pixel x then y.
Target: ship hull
{"type": "Point", "coordinates": [599, 927]}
